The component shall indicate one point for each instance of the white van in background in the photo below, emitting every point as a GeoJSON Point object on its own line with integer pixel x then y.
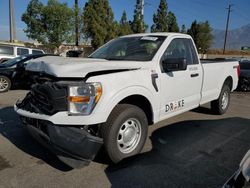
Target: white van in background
{"type": "Point", "coordinates": [12, 51]}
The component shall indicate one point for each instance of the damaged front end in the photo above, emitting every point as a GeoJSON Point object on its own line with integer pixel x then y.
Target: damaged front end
{"type": "Point", "coordinates": [75, 145]}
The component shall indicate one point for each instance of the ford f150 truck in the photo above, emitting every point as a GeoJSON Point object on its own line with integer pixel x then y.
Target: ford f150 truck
{"type": "Point", "coordinates": [112, 96]}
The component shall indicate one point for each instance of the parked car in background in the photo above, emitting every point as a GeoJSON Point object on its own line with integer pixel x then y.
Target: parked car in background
{"type": "Point", "coordinates": [241, 177]}
{"type": "Point", "coordinates": [12, 72]}
{"type": "Point", "coordinates": [3, 60]}
{"type": "Point", "coordinates": [10, 51]}
{"type": "Point", "coordinates": [244, 80]}
{"type": "Point", "coordinates": [74, 53]}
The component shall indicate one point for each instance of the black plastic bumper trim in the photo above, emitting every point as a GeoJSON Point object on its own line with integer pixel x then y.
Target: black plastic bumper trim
{"type": "Point", "coordinates": [75, 147]}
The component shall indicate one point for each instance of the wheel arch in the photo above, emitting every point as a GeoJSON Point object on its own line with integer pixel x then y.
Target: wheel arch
{"type": "Point", "coordinates": [228, 81]}
{"type": "Point", "coordinates": [6, 75]}
{"type": "Point", "coordinates": [143, 103]}
{"type": "Point", "coordinates": [134, 95]}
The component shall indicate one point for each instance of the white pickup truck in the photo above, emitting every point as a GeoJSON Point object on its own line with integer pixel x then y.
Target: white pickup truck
{"type": "Point", "coordinates": [110, 98]}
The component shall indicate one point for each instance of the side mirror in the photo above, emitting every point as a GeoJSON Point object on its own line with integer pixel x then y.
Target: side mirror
{"type": "Point", "coordinates": [174, 64]}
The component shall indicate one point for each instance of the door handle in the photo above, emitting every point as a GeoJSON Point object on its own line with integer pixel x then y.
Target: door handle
{"type": "Point", "coordinates": [194, 75]}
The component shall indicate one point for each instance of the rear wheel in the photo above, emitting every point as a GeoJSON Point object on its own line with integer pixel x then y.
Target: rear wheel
{"type": "Point", "coordinates": [5, 84]}
{"type": "Point", "coordinates": [221, 105]}
{"type": "Point", "coordinates": [125, 132]}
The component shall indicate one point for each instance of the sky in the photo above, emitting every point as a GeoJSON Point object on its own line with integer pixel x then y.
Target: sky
{"type": "Point", "coordinates": [186, 11]}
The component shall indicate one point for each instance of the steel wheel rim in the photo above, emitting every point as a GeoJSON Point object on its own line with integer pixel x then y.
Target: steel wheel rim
{"type": "Point", "coordinates": [129, 135]}
{"type": "Point", "coordinates": [3, 84]}
{"type": "Point", "coordinates": [225, 99]}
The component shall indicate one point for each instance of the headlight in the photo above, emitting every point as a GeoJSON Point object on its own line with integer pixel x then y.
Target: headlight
{"type": "Point", "coordinates": [83, 98]}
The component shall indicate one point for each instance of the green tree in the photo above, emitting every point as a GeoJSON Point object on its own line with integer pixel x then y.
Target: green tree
{"type": "Point", "coordinates": [51, 24]}
{"type": "Point", "coordinates": [202, 35]}
{"type": "Point", "coordinates": [183, 29]}
{"type": "Point", "coordinates": [193, 31]}
{"type": "Point", "coordinates": [172, 22]}
{"type": "Point", "coordinates": [124, 26]}
{"type": "Point", "coordinates": [138, 25]}
{"type": "Point", "coordinates": [205, 37]}
{"type": "Point", "coordinates": [160, 18]}
{"type": "Point", "coordinates": [33, 17]}
{"type": "Point", "coordinates": [99, 24]}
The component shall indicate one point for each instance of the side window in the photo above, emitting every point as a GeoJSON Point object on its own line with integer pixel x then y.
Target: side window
{"type": "Point", "coordinates": [7, 50]}
{"type": "Point", "coordinates": [37, 52]}
{"type": "Point", "coordinates": [194, 54]}
{"type": "Point", "coordinates": [22, 51]}
{"type": "Point", "coordinates": [179, 49]}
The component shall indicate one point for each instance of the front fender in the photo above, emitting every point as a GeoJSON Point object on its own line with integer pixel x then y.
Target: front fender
{"type": "Point", "coordinates": [109, 102]}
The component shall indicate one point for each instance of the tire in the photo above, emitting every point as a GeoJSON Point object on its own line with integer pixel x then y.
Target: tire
{"type": "Point", "coordinates": [221, 105]}
{"type": "Point", "coordinates": [125, 132]}
{"type": "Point", "coordinates": [5, 84]}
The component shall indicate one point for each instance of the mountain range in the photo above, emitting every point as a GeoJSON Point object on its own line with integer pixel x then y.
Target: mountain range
{"type": "Point", "coordinates": [236, 38]}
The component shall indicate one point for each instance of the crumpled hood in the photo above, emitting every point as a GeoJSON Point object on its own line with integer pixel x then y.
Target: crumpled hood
{"type": "Point", "coordinates": [77, 67]}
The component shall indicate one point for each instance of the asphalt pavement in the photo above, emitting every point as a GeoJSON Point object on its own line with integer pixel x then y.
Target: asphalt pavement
{"type": "Point", "coordinates": [194, 149]}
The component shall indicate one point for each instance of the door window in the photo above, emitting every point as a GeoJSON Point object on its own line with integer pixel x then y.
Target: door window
{"type": "Point", "coordinates": [22, 51]}
{"type": "Point", "coordinates": [179, 49]}
{"type": "Point", "coordinates": [37, 52]}
{"type": "Point", "coordinates": [195, 59]}
{"type": "Point", "coordinates": [7, 50]}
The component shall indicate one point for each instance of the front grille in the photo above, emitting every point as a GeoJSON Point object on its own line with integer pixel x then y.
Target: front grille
{"type": "Point", "coordinates": [36, 123]}
{"type": "Point", "coordinates": [48, 98]}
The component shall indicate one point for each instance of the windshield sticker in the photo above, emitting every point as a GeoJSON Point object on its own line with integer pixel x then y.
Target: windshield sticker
{"type": "Point", "coordinates": [150, 38]}
{"type": "Point", "coordinates": [173, 106]}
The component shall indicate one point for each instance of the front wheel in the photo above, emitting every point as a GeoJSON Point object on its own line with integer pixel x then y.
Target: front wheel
{"type": "Point", "coordinates": [5, 84]}
{"type": "Point", "coordinates": [125, 132]}
{"type": "Point", "coordinates": [221, 105]}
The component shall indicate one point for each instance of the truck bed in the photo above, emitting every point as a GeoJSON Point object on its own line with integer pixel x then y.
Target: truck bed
{"type": "Point", "coordinates": [215, 71]}
{"type": "Point", "coordinates": [217, 60]}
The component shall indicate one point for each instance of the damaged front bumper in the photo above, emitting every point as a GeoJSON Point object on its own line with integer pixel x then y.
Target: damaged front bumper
{"type": "Point", "coordinates": [74, 139]}
{"type": "Point", "coordinates": [74, 146]}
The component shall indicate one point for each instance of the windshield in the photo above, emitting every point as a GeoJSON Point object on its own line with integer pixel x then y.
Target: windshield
{"type": "Point", "coordinates": [141, 48]}
{"type": "Point", "coordinates": [13, 62]}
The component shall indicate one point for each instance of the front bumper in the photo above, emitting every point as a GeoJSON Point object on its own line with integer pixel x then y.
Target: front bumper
{"type": "Point", "coordinates": [63, 118]}
{"type": "Point", "coordinates": [75, 147]}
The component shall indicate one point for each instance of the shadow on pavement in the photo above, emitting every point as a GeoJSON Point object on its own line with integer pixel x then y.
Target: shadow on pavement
{"type": "Point", "coordinates": [201, 153]}
{"type": "Point", "coordinates": [11, 129]}
{"type": "Point", "coordinates": [187, 154]}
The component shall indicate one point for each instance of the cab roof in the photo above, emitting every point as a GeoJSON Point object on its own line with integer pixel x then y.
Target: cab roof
{"type": "Point", "coordinates": [166, 34]}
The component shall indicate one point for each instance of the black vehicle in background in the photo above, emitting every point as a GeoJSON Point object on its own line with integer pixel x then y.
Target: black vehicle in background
{"type": "Point", "coordinates": [240, 179]}
{"type": "Point", "coordinates": [3, 60]}
{"type": "Point", "coordinates": [244, 80]}
{"type": "Point", "coordinates": [74, 53]}
{"type": "Point", "coordinates": [12, 72]}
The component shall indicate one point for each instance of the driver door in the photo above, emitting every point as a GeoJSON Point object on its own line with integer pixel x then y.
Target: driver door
{"type": "Point", "coordinates": [180, 89]}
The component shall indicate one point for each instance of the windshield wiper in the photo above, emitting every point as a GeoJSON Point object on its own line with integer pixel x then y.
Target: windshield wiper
{"type": "Point", "coordinates": [114, 59]}
{"type": "Point", "coordinates": [107, 58]}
